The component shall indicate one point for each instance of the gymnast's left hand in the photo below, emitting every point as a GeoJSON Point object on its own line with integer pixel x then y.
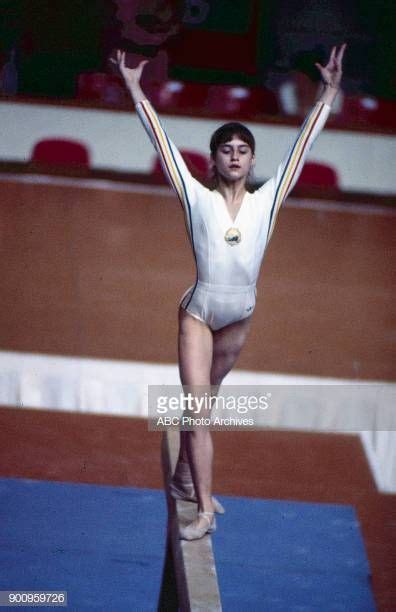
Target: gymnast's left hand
{"type": "Point", "coordinates": [332, 73]}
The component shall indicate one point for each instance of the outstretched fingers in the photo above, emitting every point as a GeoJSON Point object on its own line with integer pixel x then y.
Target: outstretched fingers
{"type": "Point", "coordinates": [143, 63]}
{"type": "Point", "coordinates": [120, 61]}
{"type": "Point", "coordinates": [333, 55]}
{"type": "Point", "coordinates": [340, 54]}
{"type": "Point", "coordinates": [121, 58]}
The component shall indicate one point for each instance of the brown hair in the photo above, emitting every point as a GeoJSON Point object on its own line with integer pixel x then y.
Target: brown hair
{"type": "Point", "coordinates": [226, 132]}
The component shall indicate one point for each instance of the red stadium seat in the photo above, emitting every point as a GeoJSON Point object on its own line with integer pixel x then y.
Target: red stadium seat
{"type": "Point", "coordinates": [386, 114]}
{"type": "Point", "coordinates": [60, 152]}
{"type": "Point", "coordinates": [236, 100]}
{"type": "Point", "coordinates": [359, 109]}
{"type": "Point", "coordinates": [179, 95]}
{"type": "Point", "coordinates": [368, 111]}
{"type": "Point", "coordinates": [318, 175]}
{"type": "Point", "coordinates": [102, 87]}
{"type": "Point", "coordinates": [197, 163]}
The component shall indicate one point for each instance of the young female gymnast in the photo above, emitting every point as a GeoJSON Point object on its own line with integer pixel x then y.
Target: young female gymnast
{"type": "Point", "coordinates": [229, 229]}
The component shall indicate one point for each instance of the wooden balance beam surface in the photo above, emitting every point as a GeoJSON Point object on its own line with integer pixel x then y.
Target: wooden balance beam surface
{"type": "Point", "coordinates": [194, 568]}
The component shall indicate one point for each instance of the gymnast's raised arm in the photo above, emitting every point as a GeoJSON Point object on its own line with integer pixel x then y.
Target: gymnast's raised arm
{"type": "Point", "coordinates": [292, 164]}
{"type": "Point", "coordinates": [176, 171]}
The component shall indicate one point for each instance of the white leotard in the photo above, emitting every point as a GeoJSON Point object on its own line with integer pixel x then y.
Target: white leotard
{"type": "Point", "coordinates": [228, 253]}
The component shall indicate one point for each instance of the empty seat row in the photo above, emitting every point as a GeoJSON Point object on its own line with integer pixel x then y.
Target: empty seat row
{"type": "Point", "coordinates": [234, 101]}
{"type": "Point", "coordinates": [183, 96]}
{"type": "Point", "coordinates": [62, 152]}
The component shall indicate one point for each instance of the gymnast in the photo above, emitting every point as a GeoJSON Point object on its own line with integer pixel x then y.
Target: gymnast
{"type": "Point", "coordinates": [229, 229]}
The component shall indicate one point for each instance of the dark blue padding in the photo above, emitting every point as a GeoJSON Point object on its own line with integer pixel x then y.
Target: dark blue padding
{"type": "Point", "coordinates": [105, 546]}
{"type": "Point", "coordinates": [285, 556]}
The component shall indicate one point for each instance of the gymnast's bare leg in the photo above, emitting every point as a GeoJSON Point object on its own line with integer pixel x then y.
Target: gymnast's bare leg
{"type": "Point", "coordinates": [205, 357]}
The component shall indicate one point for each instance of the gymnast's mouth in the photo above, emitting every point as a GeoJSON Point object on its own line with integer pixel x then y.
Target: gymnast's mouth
{"type": "Point", "coordinates": [232, 166]}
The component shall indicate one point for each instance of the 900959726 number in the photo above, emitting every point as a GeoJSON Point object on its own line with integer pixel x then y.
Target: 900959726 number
{"type": "Point", "coordinates": [38, 598]}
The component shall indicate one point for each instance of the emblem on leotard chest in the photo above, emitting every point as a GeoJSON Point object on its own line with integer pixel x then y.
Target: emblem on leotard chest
{"type": "Point", "coordinates": [233, 236]}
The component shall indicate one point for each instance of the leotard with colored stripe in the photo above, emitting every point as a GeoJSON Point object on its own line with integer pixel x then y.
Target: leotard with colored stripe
{"type": "Point", "coordinates": [228, 253]}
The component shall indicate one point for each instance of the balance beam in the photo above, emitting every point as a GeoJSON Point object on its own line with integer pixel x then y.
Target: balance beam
{"type": "Point", "coordinates": [189, 579]}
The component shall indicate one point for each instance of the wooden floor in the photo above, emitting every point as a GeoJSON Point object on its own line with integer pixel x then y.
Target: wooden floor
{"type": "Point", "coordinates": [99, 272]}
{"type": "Point", "coordinates": [120, 451]}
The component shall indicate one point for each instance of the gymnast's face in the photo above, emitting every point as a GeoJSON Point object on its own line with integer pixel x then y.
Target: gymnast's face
{"type": "Point", "coordinates": [233, 160]}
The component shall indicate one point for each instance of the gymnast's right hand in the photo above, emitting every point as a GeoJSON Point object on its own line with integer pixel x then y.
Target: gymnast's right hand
{"type": "Point", "coordinates": [131, 75]}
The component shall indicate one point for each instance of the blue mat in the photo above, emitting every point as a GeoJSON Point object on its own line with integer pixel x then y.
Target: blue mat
{"type": "Point", "coordinates": [286, 556]}
{"type": "Point", "coordinates": [105, 546]}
